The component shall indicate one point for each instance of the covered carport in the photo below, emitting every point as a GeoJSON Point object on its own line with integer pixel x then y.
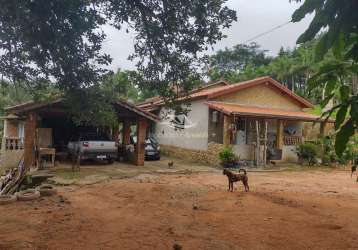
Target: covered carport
{"type": "Point", "coordinates": [54, 116]}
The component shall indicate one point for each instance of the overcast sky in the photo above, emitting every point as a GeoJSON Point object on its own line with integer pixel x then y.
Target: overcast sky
{"type": "Point", "coordinates": [254, 17]}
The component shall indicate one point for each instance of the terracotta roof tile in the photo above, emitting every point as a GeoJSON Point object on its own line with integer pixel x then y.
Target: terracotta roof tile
{"type": "Point", "coordinates": [210, 93]}
{"type": "Point", "coordinates": [231, 109]}
{"type": "Point", "coordinates": [31, 106]}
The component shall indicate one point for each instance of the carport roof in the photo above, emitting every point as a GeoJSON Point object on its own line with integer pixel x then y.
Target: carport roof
{"type": "Point", "coordinates": [33, 106]}
{"type": "Point", "coordinates": [137, 110]}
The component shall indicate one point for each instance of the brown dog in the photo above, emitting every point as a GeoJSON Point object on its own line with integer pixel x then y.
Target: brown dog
{"type": "Point", "coordinates": [232, 177]}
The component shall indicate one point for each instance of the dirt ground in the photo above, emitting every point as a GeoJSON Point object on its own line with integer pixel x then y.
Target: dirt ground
{"type": "Point", "coordinates": [283, 210]}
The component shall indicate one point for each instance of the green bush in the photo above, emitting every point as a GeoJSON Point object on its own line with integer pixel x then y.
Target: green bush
{"type": "Point", "coordinates": [227, 157]}
{"type": "Point", "coordinates": [351, 151]}
{"type": "Point", "coordinates": [307, 152]}
{"type": "Point", "coordinates": [329, 155]}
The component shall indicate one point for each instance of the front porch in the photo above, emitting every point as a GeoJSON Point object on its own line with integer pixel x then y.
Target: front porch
{"type": "Point", "coordinates": [260, 134]}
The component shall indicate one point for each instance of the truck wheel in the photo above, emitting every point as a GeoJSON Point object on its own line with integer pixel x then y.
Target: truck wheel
{"type": "Point", "coordinates": [110, 161]}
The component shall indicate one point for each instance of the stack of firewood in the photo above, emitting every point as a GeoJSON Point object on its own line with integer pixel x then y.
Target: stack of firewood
{"type": "Point", "coordinates": [12, 179]}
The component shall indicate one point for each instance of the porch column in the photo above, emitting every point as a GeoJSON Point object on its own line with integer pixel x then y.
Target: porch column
{"type": "Point", "coordinates": [126, 132]}
{"type": "Point", "coordinates": [226, 130]}
{"type": "Point", "coordinates": [140, 147]}
{"type": "Point", "coordinates": [3, 141]}
{"type": "Point", "coordinates": [115, 133]}
{"type": "Point", "coordinates": [322, 129]}
{"type": "Point", "coordinates": [29, 140]}
{"type": "Point", "coordinates": [279, 134]}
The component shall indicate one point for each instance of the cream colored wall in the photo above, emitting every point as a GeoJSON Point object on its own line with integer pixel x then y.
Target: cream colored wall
{"type": "Point", "coordinates": [261, 96]}
{"type": "Point", "coordinates": [194, 136]}
{"type": "Point", "coordinates": [244, 151]}
{"type": "Point", "coordinates": [289, 154]}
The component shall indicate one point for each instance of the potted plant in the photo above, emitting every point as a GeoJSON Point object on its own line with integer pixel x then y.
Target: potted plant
{"type": "Point", "coordinates": [227, 157]}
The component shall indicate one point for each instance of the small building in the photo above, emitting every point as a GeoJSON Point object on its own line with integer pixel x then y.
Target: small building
{"type": "Point", "coordinates": [242, 115]}
{"type": "Point", "coordinates": [27, 123]}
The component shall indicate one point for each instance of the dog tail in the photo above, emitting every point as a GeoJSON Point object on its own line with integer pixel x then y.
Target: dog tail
{"type": "Point", "coordinates": [244, 170]}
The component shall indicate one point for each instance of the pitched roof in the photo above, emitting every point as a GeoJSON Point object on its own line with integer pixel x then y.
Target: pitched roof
{"type": "Point", "coordinates": [236, 109]}
{"type": "Point", "coordinates": [137, 110]}
{"type": "Point", "coordinates": [151, 103]}
{"type": "Point", "coordinates": [32, 106]}
{"type": "Point", "coordinates": [216, 91]}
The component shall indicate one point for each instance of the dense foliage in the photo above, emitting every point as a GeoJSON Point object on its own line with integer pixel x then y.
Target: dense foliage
{"type": "Point", "coordinates": [307, 152]}
{"type": "Point", "coordinates": [338, 75]}
{"type": "Point", "coordinates": [94, 106]}
{"type": "Point", "coordinates": [292, 67]}
{"type": "Point", "coordinates": [232, 63]}
{"type": "Point", "coordinates": [58, 42]}
{"type": "Point", "coordinates": [329, 156]}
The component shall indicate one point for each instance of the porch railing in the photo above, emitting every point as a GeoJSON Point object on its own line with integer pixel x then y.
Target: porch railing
{"type": "Point", "coordinates": [290, 140]}
{"type": "Point", "coordinates": [13, 143]}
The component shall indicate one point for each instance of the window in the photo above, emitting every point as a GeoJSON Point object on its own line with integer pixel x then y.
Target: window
{"type": "Point", "coordinates": [241, 124]}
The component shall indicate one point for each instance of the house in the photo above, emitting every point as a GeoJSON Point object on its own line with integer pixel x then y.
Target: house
{"type": "Point", "coordinates": [27, 124]}
{"type": "Point", "coordinates": [241, 115]}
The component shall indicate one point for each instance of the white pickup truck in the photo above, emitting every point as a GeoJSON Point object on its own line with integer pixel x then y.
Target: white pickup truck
{"type": "Point", "coordinates": [93, 146]}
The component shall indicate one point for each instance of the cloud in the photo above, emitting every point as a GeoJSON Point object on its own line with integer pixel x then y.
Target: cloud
{"type": "Point", "coordinates": [254, 17]}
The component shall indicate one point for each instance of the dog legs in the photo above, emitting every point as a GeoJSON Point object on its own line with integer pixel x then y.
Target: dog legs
{"type": "Point", "coordinates": [246, 185]}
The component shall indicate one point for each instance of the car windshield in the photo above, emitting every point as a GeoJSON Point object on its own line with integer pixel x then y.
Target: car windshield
{"type": "Point", "coordinates": [153, 140]}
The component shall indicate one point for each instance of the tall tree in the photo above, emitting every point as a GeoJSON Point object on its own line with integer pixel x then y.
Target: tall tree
{"type": "Point", "coordinates": [60, 41]}
{"type": "Point", "coordinates": [225, 63]}
{"type": "Point", "coordinates": [292, 67]}
{"type": "Point", "coordinates": [336, 75]}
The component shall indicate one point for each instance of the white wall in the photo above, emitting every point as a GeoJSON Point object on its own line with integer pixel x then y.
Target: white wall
{"type": "Point", "coordinates": [289, 154]}
{"type": "Point", "coordinates": [193, 136]}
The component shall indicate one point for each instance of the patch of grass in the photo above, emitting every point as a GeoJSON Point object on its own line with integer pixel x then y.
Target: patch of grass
{"type": "Point", "coordinates": [68, 174]}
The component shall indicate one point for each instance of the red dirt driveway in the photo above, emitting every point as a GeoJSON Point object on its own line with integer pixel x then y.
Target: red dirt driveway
{"type": "Point", "coordinates": [284, 210]}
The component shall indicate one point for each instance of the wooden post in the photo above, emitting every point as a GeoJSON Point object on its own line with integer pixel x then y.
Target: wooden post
{"type": "Point", "coordinates": [3, 142]}
{"type": "Point", "coordinates": [322, 129]}
{"type": "Point", "coordinates": [257, 154]}
{"type": "Point", "coordinates": [126, 132]}
{"type": "Point", "coordinates": [226, 130]}
{"type": "Point", "coordinates": [279, 134]}
{"type": "Point", "coordinates": [115, 133]}
{"type": "Point", "coordinates": [265, 145]}
{"type": "Point", "coordinates": [29, 140]}
{"type": "Point", "coordinates": [140, 147]}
